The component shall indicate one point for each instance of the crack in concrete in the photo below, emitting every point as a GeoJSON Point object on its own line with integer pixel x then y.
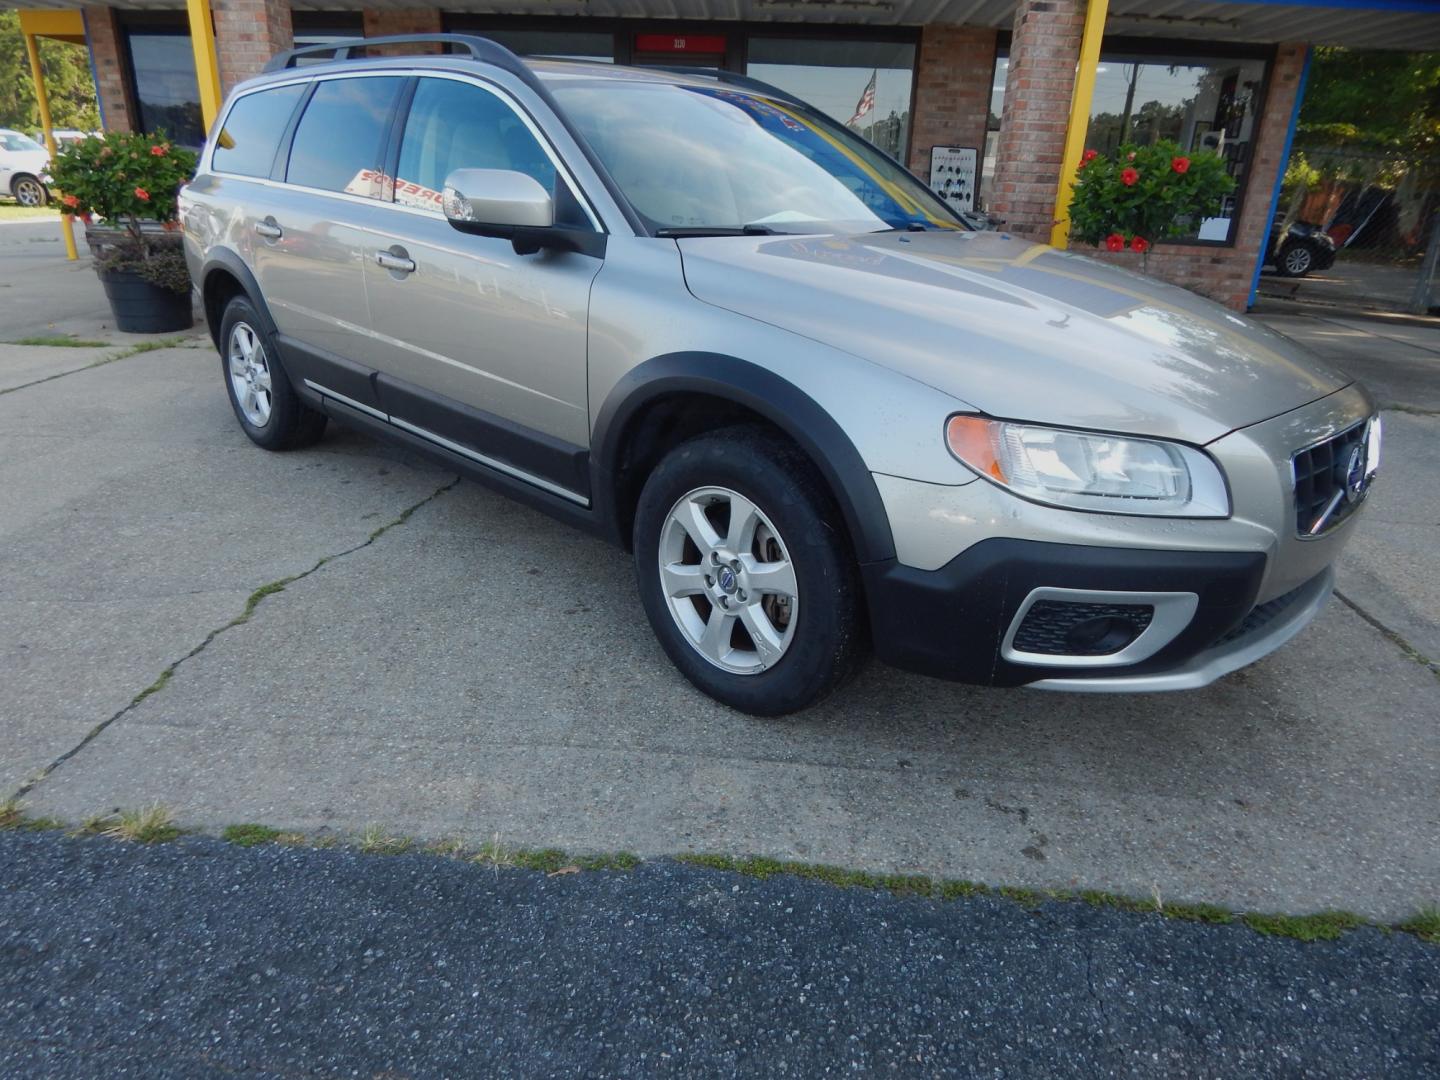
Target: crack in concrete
{"type": "Point", "coordinates": [251, 603]}
{"type": "Point", "coordinates": [1392, 636]}
{"type": "Point", "coordinates": [134, 350]}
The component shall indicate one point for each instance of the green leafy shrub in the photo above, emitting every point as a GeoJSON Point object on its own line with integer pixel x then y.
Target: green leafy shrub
{"type": "Point", "coordinates": [1144, 194]}
{"type": "Point", "coordinates": [127, 179]}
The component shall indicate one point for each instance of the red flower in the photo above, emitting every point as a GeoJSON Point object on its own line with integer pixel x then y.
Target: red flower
{"type": "Point", "coordinates": [70, 200]}
{"type": "Point", "coordinates": [1130, 156]}
{"type": "Point", "coordinates": [142, 194]}
{"type": "Point", "coordinates": [1139, 243]}
{"type": "Point", "coordinates": [1180, 164]}
{"type": "Point", "coordinates": [1091, 155]}
{"type": "Point", "coordinates": [1115, 242]}
{"type": "Point", "coordinates": [160, 151]}
{"type": "Point", "coordinates": [1128, 177]}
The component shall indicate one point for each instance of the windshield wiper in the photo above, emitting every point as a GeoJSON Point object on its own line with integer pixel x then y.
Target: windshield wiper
{"type": "Point", "coordinates": [705, 230]}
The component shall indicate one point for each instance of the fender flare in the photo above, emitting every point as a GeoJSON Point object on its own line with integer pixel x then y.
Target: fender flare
{"type": "Point", "coordinates": [772, 397]}
{"type": "Point", "coordinates": [230, 262]}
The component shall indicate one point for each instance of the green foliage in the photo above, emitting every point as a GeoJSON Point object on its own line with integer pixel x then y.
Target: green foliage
{"type": "Point", "coordinates": [250, 835]}
{"type": "Point", "coordinates": [127, 178]}
{"type": "Point", "coordinates": [123, 176]}
{"type": "Point", "coordinates": [67, 79]}
{"type": "Point", "coordinates": [1144, 194]}
{"type": "Point", "coordinates": [1373, 99]}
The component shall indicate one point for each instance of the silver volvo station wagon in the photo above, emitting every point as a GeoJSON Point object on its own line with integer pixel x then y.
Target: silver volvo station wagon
{"type": "Point", "coordinates": [696, 316]}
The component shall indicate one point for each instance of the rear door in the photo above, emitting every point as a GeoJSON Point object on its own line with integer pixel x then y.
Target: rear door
{"type": "Point", "coordinates": [481, 346]}
{"type": "Point", "coordinates": [310, 242]}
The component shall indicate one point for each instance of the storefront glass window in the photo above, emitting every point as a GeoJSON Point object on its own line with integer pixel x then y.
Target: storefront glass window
{"type": "Point", "coordinates": [1202, 104]}
{"type": "Point", "coordinates": [863, 84]}
{"type": "Point", "coordinates": [992, 129]}
{"type": "Point", "coordinates": [166, 90]}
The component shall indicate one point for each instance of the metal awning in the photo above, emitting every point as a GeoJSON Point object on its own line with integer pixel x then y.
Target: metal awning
{"type": "Point", "coordinates": [1412, 25]}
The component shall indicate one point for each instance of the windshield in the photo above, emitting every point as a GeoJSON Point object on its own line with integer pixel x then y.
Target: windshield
{"type": "Point", "coordinates": [699, 159]}
{"type": "Point", "coordinates": [19, 142]}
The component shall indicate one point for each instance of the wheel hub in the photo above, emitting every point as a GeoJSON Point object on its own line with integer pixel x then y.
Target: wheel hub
{"type": "Point", "coordinates": [728, 580]}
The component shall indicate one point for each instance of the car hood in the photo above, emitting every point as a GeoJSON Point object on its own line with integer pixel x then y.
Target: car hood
{"type": "Point", "coordinates": [1017, 330]}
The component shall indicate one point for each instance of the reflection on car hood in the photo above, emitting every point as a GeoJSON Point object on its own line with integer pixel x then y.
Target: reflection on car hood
{"type": "Point", "coordinates": [1017, 330]}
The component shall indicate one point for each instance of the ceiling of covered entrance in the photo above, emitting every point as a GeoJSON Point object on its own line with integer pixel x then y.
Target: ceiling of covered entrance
{"type": "Point", "coordinates": [1360, 24]}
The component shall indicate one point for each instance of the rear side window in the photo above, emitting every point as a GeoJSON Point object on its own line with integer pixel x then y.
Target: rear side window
{"type": "Point", "coordinates": [340, 139]}
{"type": "Point", "coordinates": [246, 144]}
{"type": "Point", "coordinates": [453, 125]}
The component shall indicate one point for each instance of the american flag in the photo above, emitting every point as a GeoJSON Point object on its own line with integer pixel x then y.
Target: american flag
{"type": "Point", "coordinates": [866, 104]}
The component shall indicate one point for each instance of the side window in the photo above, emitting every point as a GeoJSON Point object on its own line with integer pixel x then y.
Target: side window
{"type": "Point", "coordinates": [454, 125]}
{"type": "Point", "coordinates": [340, 139]}
{"type": "Point", "coordinates": [246, 144]}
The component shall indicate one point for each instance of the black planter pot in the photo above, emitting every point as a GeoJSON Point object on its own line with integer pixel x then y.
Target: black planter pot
{"type": "Point", "coordinates": [142, 308]}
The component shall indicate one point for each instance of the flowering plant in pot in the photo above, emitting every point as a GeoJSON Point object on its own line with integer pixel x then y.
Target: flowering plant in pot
{"type": "Point", "coordinates": [132, 181]}
{"type": "Point", "coordinates": [1141, 195]}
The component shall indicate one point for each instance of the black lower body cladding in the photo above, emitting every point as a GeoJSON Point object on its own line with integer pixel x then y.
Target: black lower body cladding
{"type": "Point", "coordinates": [950, 622]}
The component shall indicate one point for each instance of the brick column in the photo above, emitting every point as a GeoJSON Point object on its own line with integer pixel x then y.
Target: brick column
{"type": "Point", "coordinates": [248, 33]}
{"type": "Point", "coordinates": [389, 21]}
{"type": "Point", "coordinates": [952, 91]}
{"type": "Point", "coordinates": [1044, 50]}
{"type": "Point", "coordinates": [103, 36]}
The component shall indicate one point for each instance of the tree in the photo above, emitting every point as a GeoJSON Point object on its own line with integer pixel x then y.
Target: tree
{"type": "Point", "coordinates": [1373, 100]}
{"type": "Point", "coordinates": [67, 79]}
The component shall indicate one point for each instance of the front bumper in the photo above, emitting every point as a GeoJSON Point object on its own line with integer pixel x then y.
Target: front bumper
{"type": "Point", "coordinates": [953, 622]}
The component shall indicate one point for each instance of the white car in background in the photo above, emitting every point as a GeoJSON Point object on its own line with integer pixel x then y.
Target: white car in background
{"type": "Point", "coordinates": [24, 168]}
{"type": "Point", "coordinates": [65, 136]}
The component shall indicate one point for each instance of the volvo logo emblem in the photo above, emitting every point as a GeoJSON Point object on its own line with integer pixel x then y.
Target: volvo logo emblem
{"type": "Point", "coordinates": [727, 579]}
{"type": "Point", "coordinates": [1355, 479]}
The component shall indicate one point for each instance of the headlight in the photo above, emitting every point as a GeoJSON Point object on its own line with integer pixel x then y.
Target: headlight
{"type": "Point", "coordinates": [1082, 470]}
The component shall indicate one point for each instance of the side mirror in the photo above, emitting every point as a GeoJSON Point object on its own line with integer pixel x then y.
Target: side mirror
{"type": "Point", "coordinates": [514, 207]}
{"type": "Point", "coordinates": [497, 198]}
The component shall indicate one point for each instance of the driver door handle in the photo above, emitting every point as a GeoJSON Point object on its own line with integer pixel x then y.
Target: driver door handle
{"type": "Point", "coordinates": [391, 261]}
{"type": "Point", "coordinates": [268, 229]}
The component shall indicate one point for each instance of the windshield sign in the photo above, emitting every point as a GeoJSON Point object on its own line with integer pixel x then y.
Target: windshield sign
{"type": "Point", "coordinates": [697, 159]}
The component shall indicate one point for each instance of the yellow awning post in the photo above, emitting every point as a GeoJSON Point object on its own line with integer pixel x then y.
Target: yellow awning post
{"type": "Point", "coordinates": [207, 67]}
{"type": "Point", "coordinates": [42, 99]}
{"type": "Point", "coordinates": [1080, 100]}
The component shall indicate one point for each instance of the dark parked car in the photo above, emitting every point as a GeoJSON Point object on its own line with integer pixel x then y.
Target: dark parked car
{"type": "Point", "coordinates": [1295, 251]}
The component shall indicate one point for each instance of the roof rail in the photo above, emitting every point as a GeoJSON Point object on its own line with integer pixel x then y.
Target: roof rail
{"type": "Point", "coordinates": [479, 48]}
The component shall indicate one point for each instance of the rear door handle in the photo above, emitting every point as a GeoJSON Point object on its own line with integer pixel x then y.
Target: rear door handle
{"type": "Point", "coordinates": [397, 261]}
{"type": "Point", "coordinates": [268, 229]}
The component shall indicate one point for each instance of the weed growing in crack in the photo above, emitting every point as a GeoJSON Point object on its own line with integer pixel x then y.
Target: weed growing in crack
{"type": "Point", "coordinates": [250, 835]}
{"type": "Point", "coordinates": [374, 840]}
{"type": "Point", "coordinates": [153, 824]}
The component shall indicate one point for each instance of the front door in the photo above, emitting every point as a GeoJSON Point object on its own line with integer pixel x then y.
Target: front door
{"type": "Point", "coordinates": [481, 346]}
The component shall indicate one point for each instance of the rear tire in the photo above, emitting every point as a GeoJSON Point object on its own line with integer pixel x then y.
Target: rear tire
{"type": "Point", "coordinates": [745, 572]}
{"type": "Point", "coordinates": [261, 394]}
{"type": "Point", "coordinates": [29, 190]}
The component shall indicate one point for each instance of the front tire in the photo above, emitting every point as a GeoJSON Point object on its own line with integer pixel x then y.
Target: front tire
{"type": "Point", "coordinates": [745, 573]}
{"type": "Point", "coordinates": [29, 191]}
{"type": "Point", "coordinates": [265, 403]}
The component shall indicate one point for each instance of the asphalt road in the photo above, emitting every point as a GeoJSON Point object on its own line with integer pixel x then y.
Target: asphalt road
{"type": "Point", "coordinates": [200, 959]}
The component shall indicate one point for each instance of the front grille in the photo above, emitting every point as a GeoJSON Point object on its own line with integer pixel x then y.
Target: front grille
{"type": "Point", "coordinates": [1263, 614]}
{"type": "Point", "coordinates": [1320, 475]}
{"type": "Point", "coordinates": [1071, 628]}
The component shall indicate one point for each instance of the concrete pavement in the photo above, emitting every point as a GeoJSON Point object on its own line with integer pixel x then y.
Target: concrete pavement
{"type": "Point", "coordinates": [479, 669]}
